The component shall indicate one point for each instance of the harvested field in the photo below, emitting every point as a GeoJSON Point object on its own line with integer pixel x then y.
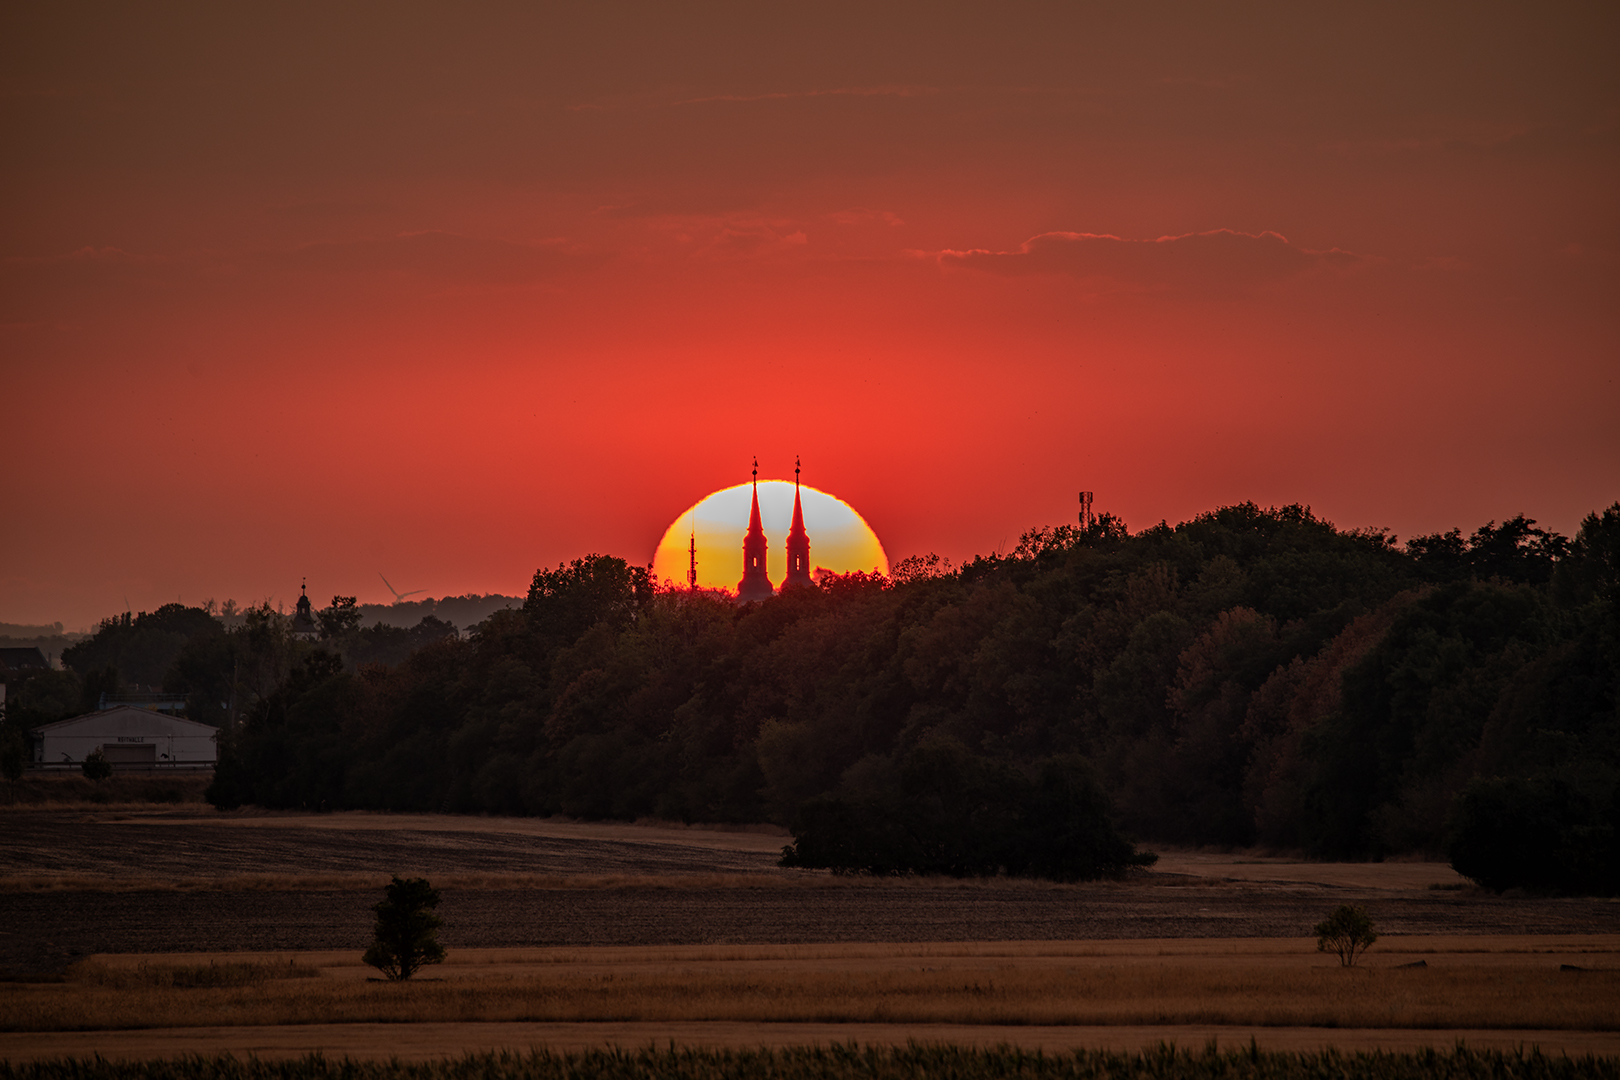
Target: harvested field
{"type": "Point", "coordinates": [47, 931]}
{"type": "Point", "coordinates": [1474, 983]}
{"type": "Point", "coordinates": [75, 883]}
{"type": "Point", "coordinates": [242, 932]}
{"type": "Point", "coordinates": [192, 849]}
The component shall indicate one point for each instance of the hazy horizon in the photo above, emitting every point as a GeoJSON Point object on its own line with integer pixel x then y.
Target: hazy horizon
{"type": "Point", "coordinates": [456, 295]}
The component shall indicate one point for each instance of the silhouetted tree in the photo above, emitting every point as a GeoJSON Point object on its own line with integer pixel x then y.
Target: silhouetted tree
{"type": "Point", "coordinates": [406, 933]}
{"type": "Point", "coordinates": [341, 620]}
{"type": "Point", "coordinates": [1347, 931]}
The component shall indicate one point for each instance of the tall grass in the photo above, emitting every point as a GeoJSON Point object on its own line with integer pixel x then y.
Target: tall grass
{"type": "Point", "coordinates": [212, 975]}
{"type": "Point", "coordinates": [852, 1062]}
{"type": "Point", "coordinates": [1476, 996]}
{"type": "Point", "coordinates": [38, 790]}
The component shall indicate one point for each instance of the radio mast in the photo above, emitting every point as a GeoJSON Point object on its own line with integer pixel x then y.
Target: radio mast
{"type": "Point", "coordinates": [1087, 518]}
{"type": "Point", "coordinates": [691, 569]}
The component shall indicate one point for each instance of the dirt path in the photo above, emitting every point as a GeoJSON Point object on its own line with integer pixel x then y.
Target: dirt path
{"type": "Point", "coordinates": [416, 1042]}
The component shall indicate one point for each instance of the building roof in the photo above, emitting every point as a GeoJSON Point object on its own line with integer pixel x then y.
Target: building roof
{"type": "Point", "coordinates": [140, 721]}
{"type": "Point", "coordinates": [23, 659]}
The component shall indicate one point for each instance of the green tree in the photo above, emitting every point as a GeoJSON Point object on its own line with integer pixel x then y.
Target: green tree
{"type": "Point", "coordinates": [1347, 931]}
{"type": "Point", "coordinates": [96, 766]}
{"type": "Point", "coordinates": [1539, 833]}
{"type": "Point", "coordinates": [13, 752]}
{"type": "Point", "coordinates": [565, 602]}
{"type": "Point", "coordinates": [341, 620]}
{"type": "Point", "coordinates": [406, 930]}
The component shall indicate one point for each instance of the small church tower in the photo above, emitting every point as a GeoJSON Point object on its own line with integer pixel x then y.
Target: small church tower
{"type": "Point", "coordinates": [798, 541]}
{"type": "Point", "coordinates": [755, 583]}
{"type": "Point", "coordinates": [304, 627]}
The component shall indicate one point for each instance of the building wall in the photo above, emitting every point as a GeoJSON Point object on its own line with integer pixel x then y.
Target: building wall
{"type": "Point", "coordinates": [129, 735]}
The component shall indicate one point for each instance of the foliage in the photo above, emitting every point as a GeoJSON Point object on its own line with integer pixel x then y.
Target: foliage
{"type": "Point", "coordinates": [1347, 931]}
{"type": "Point", "coordinates": [141, 647]}
{"type": "Point", "coordinates": [946, 810]}
{"type": "Point", "coordinates": [96, 766]}
{"type": "Point", "coordinates": [851, 1061]}
{"type": "Point", "coordinates": [13, 752]}
{"type": "Point", "coordinates": [341, 620]}
{"type": "Point", "coordinates": [1252, 676]}
{"type": "Point", "coordinates": [42, 697]}
{"type": "Point", "coordinates": [1540, 834]}
{"type": "Point", "coordinates": [406, 931]}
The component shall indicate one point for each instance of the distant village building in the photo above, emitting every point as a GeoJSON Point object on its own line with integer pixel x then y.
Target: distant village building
{"type": "Point", "coordinates": [22, 660]}
{"type": "Point", "coordinates": [130, 737]}
{"type": "Point", "coordinates": [304, 627]}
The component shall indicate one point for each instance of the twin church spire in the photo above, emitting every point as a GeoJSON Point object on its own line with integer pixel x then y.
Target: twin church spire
{"type": "Point", "coordinates": [755, 583]}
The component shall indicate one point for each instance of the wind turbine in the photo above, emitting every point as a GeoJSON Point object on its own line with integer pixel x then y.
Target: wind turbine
{"type": "Point", "coordinates": [399, 596]}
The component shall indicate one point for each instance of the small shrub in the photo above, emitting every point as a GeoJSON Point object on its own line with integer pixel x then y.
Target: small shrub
{"type": "Point", "coordinates": [407, 929]}
{"type": "Point", "coordinates": [96, 766]}
{"type": "Point", "coordinates": [1347, 932]}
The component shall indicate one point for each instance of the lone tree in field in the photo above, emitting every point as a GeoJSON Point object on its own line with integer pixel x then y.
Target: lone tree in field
{"type": "Point", "coordinates": [1346, 932]}
{"type": "Point", "coordinates": [406, 929]}
{"type": "Point", "coordinates": [96, 766]}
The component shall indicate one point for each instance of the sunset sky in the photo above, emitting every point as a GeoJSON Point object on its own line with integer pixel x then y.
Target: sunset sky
{"type": "Point", "coordinates": [840, 539]}
{"type": "Point", "coordinates": [456, 292]}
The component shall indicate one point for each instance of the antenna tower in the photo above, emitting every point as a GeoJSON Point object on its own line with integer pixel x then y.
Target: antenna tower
{"type": "Point", "coordinates": [691, 568]}
{"type": "Point", "coordinates": [1087, 518]}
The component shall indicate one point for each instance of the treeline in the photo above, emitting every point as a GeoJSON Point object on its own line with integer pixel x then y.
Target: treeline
{"type": "Point", "coordinates": [1252, 676]}
{"type": "Point", "coordinates": [1248, 677]}
{"type": "Point", "coordinates": [224, 666]}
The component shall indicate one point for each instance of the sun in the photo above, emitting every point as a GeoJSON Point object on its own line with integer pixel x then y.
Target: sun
{"type": "Point", "coordinates": [840, 539]}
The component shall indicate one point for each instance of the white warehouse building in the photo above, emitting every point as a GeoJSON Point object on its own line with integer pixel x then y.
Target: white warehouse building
{"type": "Point", "coordinates": [129, 737]}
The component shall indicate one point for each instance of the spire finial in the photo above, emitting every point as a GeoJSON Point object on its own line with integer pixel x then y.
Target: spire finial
{"type": "Point", "coordinates": [795, 471]}
{"type": "Point", "coordinates": [756, 470]}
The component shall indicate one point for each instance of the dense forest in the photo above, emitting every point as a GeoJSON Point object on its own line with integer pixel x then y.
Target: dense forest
{"type": "Point", "coordinates": [1250, 677]}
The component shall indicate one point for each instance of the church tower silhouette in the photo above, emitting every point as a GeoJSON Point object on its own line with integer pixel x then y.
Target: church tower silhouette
{"type": "Point", "coordinates": [755, 583]}
{"type": "Point", "coordinates": [798, 541]}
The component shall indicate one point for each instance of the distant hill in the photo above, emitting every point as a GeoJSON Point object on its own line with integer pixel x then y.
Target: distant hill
{"type": "Point", "coordinates": [464, 611]}
{"type": "Point", "coordinates": [50, 640]}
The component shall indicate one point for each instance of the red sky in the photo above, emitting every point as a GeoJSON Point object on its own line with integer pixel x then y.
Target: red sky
{"type": "Point", "coordinates": [453, 295]}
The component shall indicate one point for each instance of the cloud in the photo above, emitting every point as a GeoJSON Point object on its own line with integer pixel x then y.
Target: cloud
{"type": "Point", "coordinates": [861, 215]}
{"type": "Point", "coordinates": [845, 91]}
{"type": "Point", "coordinates": [646, 101]}
{"type": "Point", "coordinates": [744, 240]}
{"type": "Point", "coordinates": [437, 256]}
{"type": "Point", "coordinates": [1220, 258]}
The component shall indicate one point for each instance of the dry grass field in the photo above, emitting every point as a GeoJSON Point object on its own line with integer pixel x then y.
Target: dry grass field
{"type": "Point", "coordinates": [1473, 983]}
{"type": "Point", "coordinates": [156, 931]}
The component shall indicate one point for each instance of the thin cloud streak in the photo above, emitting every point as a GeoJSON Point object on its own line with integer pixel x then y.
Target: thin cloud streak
{"type": "Point", "coordinates": [1214, 258]}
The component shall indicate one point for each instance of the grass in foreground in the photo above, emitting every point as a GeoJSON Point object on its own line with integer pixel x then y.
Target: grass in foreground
{"type": "Point", "coordinates": [851, 1062]}
{"type": "Point", "coordinates": [1301, 994]}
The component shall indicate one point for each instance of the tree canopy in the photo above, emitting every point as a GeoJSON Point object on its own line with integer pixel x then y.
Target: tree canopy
{"type": "Point", "coordinates": [1252, 676]}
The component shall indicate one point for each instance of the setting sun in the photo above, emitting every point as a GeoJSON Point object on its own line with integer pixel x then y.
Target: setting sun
{"type": "Point", "coordinates": [840, 539]}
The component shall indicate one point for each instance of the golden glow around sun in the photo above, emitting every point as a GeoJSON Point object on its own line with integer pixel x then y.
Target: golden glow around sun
{"type": "Point", "coordinates": [840, 539]}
